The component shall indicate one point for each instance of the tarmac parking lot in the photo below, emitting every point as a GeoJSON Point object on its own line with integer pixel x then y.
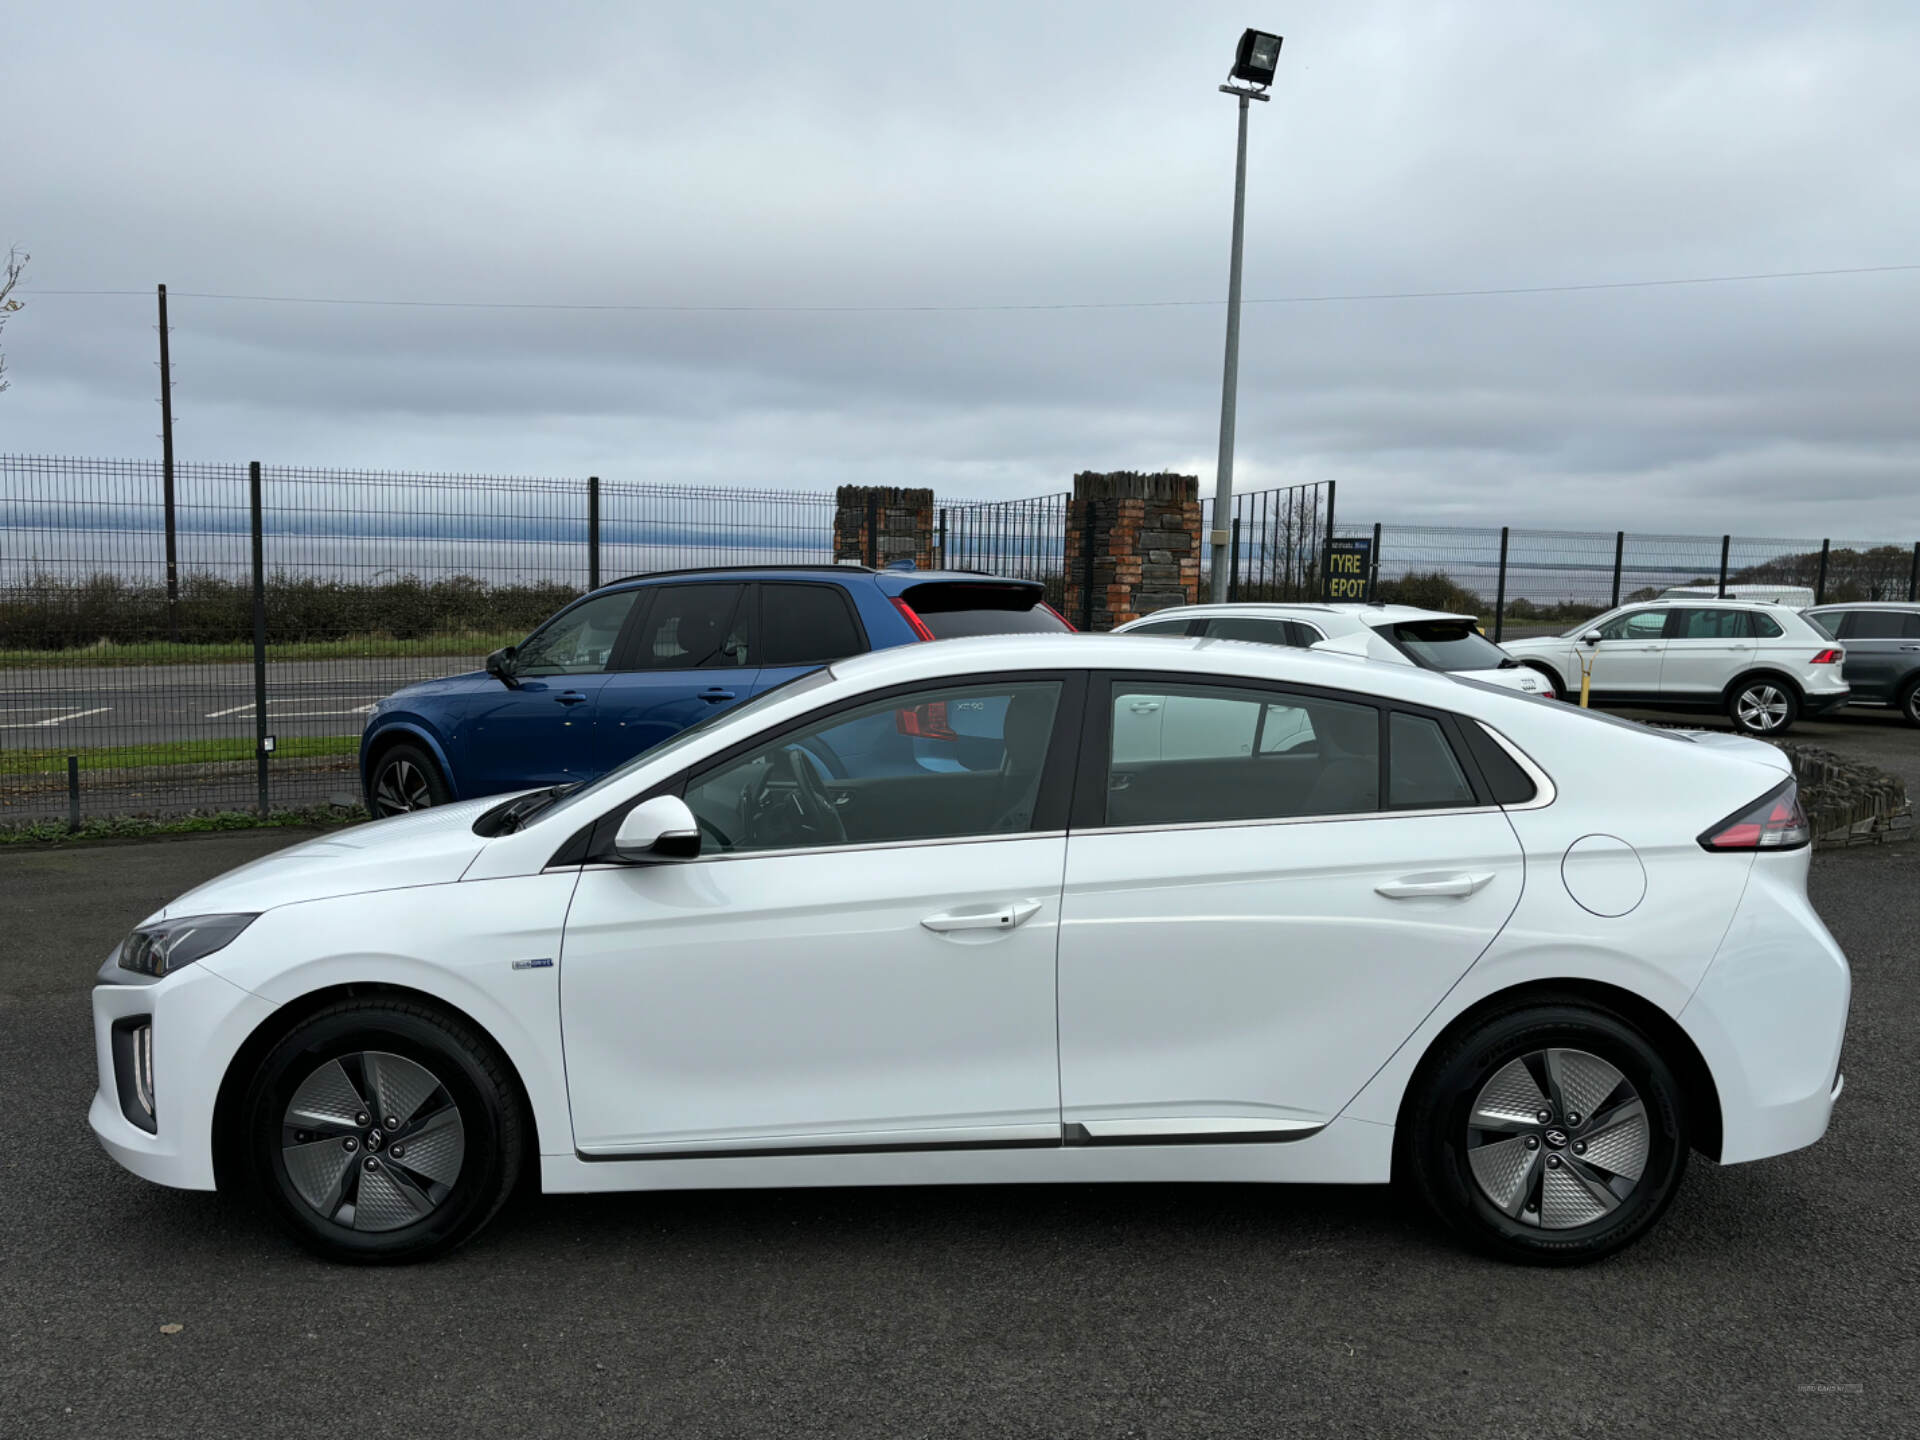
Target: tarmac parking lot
{"type": "Point", "coordinates": [1776, 1299]}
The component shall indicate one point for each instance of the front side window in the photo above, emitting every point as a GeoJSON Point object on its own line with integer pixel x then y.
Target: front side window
{"type": "Point", "coordinates": [579, 641]}
{"type": "Point", "coordinates": [1635, 625]}
{"type": "Point", "coordinates": [946, 762]}
{"type": "Point", "coordinates": [1161, 627]}
{"type": "Point", "coordinates": [1242, 627]}
{"type": "Point", "coordinates": [1194, 754]}
{"type": "Point", "coordinates": [691, 627]}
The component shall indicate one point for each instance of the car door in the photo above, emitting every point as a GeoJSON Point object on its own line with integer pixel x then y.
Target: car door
{"type": "Point", "coordinates": [1246, 936]}
{"type": "Point", "coordinates": [804, 624]}
{"type": "Point", "coordinates": [1881, 646]}
{"type": "Point", "coordinates": [1705, 649]}
{"type": "Point", "coordinates": [539, 731]}
{"type": "Point", "coordinates": [1627, 660]}
{"type": "Point", "coordinates": [857, 960]}
{"type": "Point", "coordinates": [690, 654]}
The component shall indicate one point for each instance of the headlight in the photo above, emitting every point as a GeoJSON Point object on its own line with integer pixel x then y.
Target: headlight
{"type": "Point", "coordinates": [162, 948]}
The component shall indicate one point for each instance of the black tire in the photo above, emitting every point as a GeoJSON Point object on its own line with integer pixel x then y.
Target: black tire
{"type": "Point", "coordinates": [1764, 705]}
{"type": "Point", "coordinates": [473, 1079]}
{"type": "Point", "coordinates": [404, 778]}
{"type": "Point", "coordinates": [1909, 702]}
{"type": "Point", "coordinates": [1439, 1137]}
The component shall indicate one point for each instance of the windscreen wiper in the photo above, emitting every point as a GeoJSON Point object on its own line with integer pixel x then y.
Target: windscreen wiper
{"type": "Point", "coordinates": [528, 806]}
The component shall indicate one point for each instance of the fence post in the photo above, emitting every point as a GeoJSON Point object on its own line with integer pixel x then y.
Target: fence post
{"type": "Point", "coordinates": [941, 562]}
{"type": "Point", "coordinates": [1619, 554]}
{"type": "Point", "coordinates": [1913, 575]}
{"type": "Point", "coordinates": [1373, 567]}
{"type": "Point", "coordinates": [1332, 488]}
{"type": "Point", "coordinates": [593, 532]}
{"type": "Point", "coordinates": [1820, 585]}
{"type": "Point", "coordinates": [259, 634]}
{"type": "Point", "coordinates": [1086, 552]}
{"type": "Point", "coordinates": [1726, 548]}
{"type": "Point", "coordinates": [73, 792]}
{"type": "Point", "coordinates": [1233, 563]}
{"type": "Point", "coordinates": [166, 476]}
{"type": "Point", "coordinates": [1500, 590]}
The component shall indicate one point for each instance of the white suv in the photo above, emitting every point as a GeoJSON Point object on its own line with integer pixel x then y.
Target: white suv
{"type": "Point", "coordinates": [1398, 634]}
{"type": "Point", "coordinates": [1763, 666]}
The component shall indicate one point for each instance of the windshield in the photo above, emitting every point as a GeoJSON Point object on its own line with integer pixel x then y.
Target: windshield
{"type": "Point", "coordinates": [1445, 645]}
{"type": "Point", "coordinates": [812, 680]}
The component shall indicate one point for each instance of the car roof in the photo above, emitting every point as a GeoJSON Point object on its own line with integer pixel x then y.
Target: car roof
{"type": "Point", "coordinates": [891, 580]}
{"type": "Point", "coordinates": [1289, 609]}
{"type": "Point", "coordinates": [1715, 602]}
{"type": "Point", "coordinates": [1897, 605]}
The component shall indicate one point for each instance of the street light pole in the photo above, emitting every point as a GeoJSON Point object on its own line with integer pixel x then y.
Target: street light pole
{"type": "Point", "coordinates": [1254, 63]}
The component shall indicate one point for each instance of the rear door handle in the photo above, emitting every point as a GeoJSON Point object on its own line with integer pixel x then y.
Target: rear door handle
{"type": "Point", "coordinates": [1412, 887]}
{"type": "Point", "coordinates": [1144, 707]}
{"type": "Point", "coordinates": [570, 697]}
{"type": "Point", "coordinates": [1005, 918]}
{"type": "Point", "coordinates": [716, 695]}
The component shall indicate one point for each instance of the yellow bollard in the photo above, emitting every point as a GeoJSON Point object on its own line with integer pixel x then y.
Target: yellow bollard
{"type": "Point", "coordinates": [1586, 685]}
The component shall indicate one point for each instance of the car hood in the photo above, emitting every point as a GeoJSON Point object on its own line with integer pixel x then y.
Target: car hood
{"type": "Point", "coordinates": [464, 683]}
{"type": "Point", "coordinates": [1535, 645]}
{"type": "Point", "coordinates": [429, 847]}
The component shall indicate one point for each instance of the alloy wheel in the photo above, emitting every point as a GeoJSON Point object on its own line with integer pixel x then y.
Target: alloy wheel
{"type": "Point", "coordinates": [372, 1141]}
{"type": "Point", "coordinates": [1557, 1138]}
{"type": "Point", "coordinates": [1761, 708]}
{"type": "Point", "coordinates": [402, 786]}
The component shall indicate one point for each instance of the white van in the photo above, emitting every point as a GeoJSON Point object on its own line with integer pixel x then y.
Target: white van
{"type": "Point", "coordinates": [1798, 596]}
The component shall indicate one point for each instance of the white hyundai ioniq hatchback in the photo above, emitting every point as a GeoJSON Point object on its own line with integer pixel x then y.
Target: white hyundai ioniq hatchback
{"type": "Point", "coordinates": [1024, 909]}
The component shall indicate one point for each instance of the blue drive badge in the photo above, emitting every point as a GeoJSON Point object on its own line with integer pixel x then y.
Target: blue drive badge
{"type": "Point", "coordinates": [545, 963]}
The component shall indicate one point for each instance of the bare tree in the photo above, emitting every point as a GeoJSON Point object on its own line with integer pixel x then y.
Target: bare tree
{"type": "Point", "coordinates": [16, 262]}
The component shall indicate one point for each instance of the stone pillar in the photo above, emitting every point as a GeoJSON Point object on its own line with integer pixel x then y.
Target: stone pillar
{"type": "Point", "coordinates": [1145, 545]}
{"type": "Point", "coordinates": [878, 524]}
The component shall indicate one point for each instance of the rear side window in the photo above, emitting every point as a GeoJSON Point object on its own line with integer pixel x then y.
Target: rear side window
{"type": "Point", "coordinates": [806, 624]}
{"type": "Point", "coordinates": [692, 626]}
{"type": "Point", "coordinates": [1878, 625]}
{"type": "Point", "coordinates": [1763, 627]}
{"type": "Point", "coordinates": [1425, 775]}
{"type": "Point", "coordinates": [1510, 784]}
{"type": "Point", "coordinates": [1243, 627]}
{"type": "Point", "coordinates": [1689, 623]}
{"type": "Point", "coordinates": [953, 610]}
{"type": "Point", "coordinates": [1161, 627]}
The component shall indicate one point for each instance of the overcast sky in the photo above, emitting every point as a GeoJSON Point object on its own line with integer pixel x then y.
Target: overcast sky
{"type": "Point", "coordinates": [991, 154]}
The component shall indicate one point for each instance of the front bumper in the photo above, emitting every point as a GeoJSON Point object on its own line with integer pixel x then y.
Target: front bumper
{"type": "Point", "coordinates": [199, 1021]}
{"type": "Point", "coordinates": [1770, 1016]}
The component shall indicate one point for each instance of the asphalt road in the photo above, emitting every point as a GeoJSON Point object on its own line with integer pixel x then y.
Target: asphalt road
{"type": "Point", "coordinates": [1776, 1298]}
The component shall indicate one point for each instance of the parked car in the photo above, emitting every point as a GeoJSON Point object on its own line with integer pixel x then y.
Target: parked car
{"type": "Point", "coordinates": [637, 661]}
{"type": "Point", "coordinates": [1882, 640]}
{"type": "Point", "coordinates": [1797, 597]}
{"type": "Point", "coordinates": [1762, 666]}
{"type": "Point", "coordinates": [1398, 634]}
{"type": "Point", "coordinates": [1522, 956]}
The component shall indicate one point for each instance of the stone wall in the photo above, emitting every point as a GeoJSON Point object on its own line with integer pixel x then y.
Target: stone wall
{"type": "Point", "coordinates": [1145, 537]}
{"type": "Point", "coordinates": [1847, 802]}
{"type": "Point", "coordinates": [900, 519]}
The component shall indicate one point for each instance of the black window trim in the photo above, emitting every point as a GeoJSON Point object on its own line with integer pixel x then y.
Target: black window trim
{"type": "Point", "coordinates": [760, 621]}
{"type": "Point", "coordinates": [1090, 790]}
{"type": "Point", "coordinates": [592, 842]}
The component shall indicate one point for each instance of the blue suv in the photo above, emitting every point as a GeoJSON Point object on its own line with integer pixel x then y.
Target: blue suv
{"type": "Point", "coordinates": [637, 661]}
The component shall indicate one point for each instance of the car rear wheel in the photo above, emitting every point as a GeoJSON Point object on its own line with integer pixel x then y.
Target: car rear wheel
{"type": "Point", "coordinates": [1763, 705]}
{"type": "Point", "coordinates": [382, 1131]}
{"type": "Point", "coordinates": [404, 779]}
{"type": "Point", "coordinates": [1552, 1134]}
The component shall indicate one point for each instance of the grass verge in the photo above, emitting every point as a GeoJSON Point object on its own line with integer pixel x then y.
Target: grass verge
{"type": "Point", "coordinates": [137, 827]}
{"type": "Point", "coordinates": [354, 647]}
{"type": "Point", "coordinates": [172, 752]}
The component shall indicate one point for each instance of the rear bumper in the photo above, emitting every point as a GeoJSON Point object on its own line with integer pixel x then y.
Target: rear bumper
{"type": "Point", "coordinates": [1821, 702]}
{"type": "Point", "coordinates": [1770, 1016]}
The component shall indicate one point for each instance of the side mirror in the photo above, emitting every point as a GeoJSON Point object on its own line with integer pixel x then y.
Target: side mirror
{"type": "Point", "coordinates": [658, 830]}
{"type": "Point", "coordinates": [500, 666]}
{"type": "Point", "coordinates": [1592, 637]}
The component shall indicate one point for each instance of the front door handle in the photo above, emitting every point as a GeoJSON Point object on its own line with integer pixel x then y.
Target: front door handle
{"type": "Point", "coordinates": [1412, 887]}
{"type": "Point", "coordinates": [1005, 918]}
{"type": "Point", "coordinates": [1144, 707]}
{"type": "Point", "coordinates": [716, 695]}
{"type": "Point", "coordinates": [570, 697]}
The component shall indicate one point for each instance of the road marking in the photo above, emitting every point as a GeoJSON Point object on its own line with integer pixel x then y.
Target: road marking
{"type": "Point", "coordinates": [292, 700]}
{"type": "Point", "coordinates": [54, 720]}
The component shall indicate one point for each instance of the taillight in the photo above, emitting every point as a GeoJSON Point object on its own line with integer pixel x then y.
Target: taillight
{"type": "Point", "coordinates": [1830, 657]}
{"type": "Point", "coordinates": [1777, 822]}
{"type": "Point", "coordinates": [1058, 616]}
{"type": "Point", "coordinates": [920, 629]}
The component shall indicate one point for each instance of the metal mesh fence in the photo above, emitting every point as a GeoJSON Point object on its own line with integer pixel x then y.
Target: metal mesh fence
{"type": "Point", "coordinates": [1024, 538]}
{"type": "Point", "coordinates": [1278, 537]}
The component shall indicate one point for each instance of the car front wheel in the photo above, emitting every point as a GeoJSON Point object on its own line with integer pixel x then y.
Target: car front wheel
{"type": "Point", "coordinates": [381, 1130]}
{"type": "Point", "coordinates": [1910, 703]}
{"type": "Point", "coordinates": [1552, 1134]}
{"type": "Point", "coordinates": [405, 779]}
{"type": "Point", "coordinates": [1763, 706]}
